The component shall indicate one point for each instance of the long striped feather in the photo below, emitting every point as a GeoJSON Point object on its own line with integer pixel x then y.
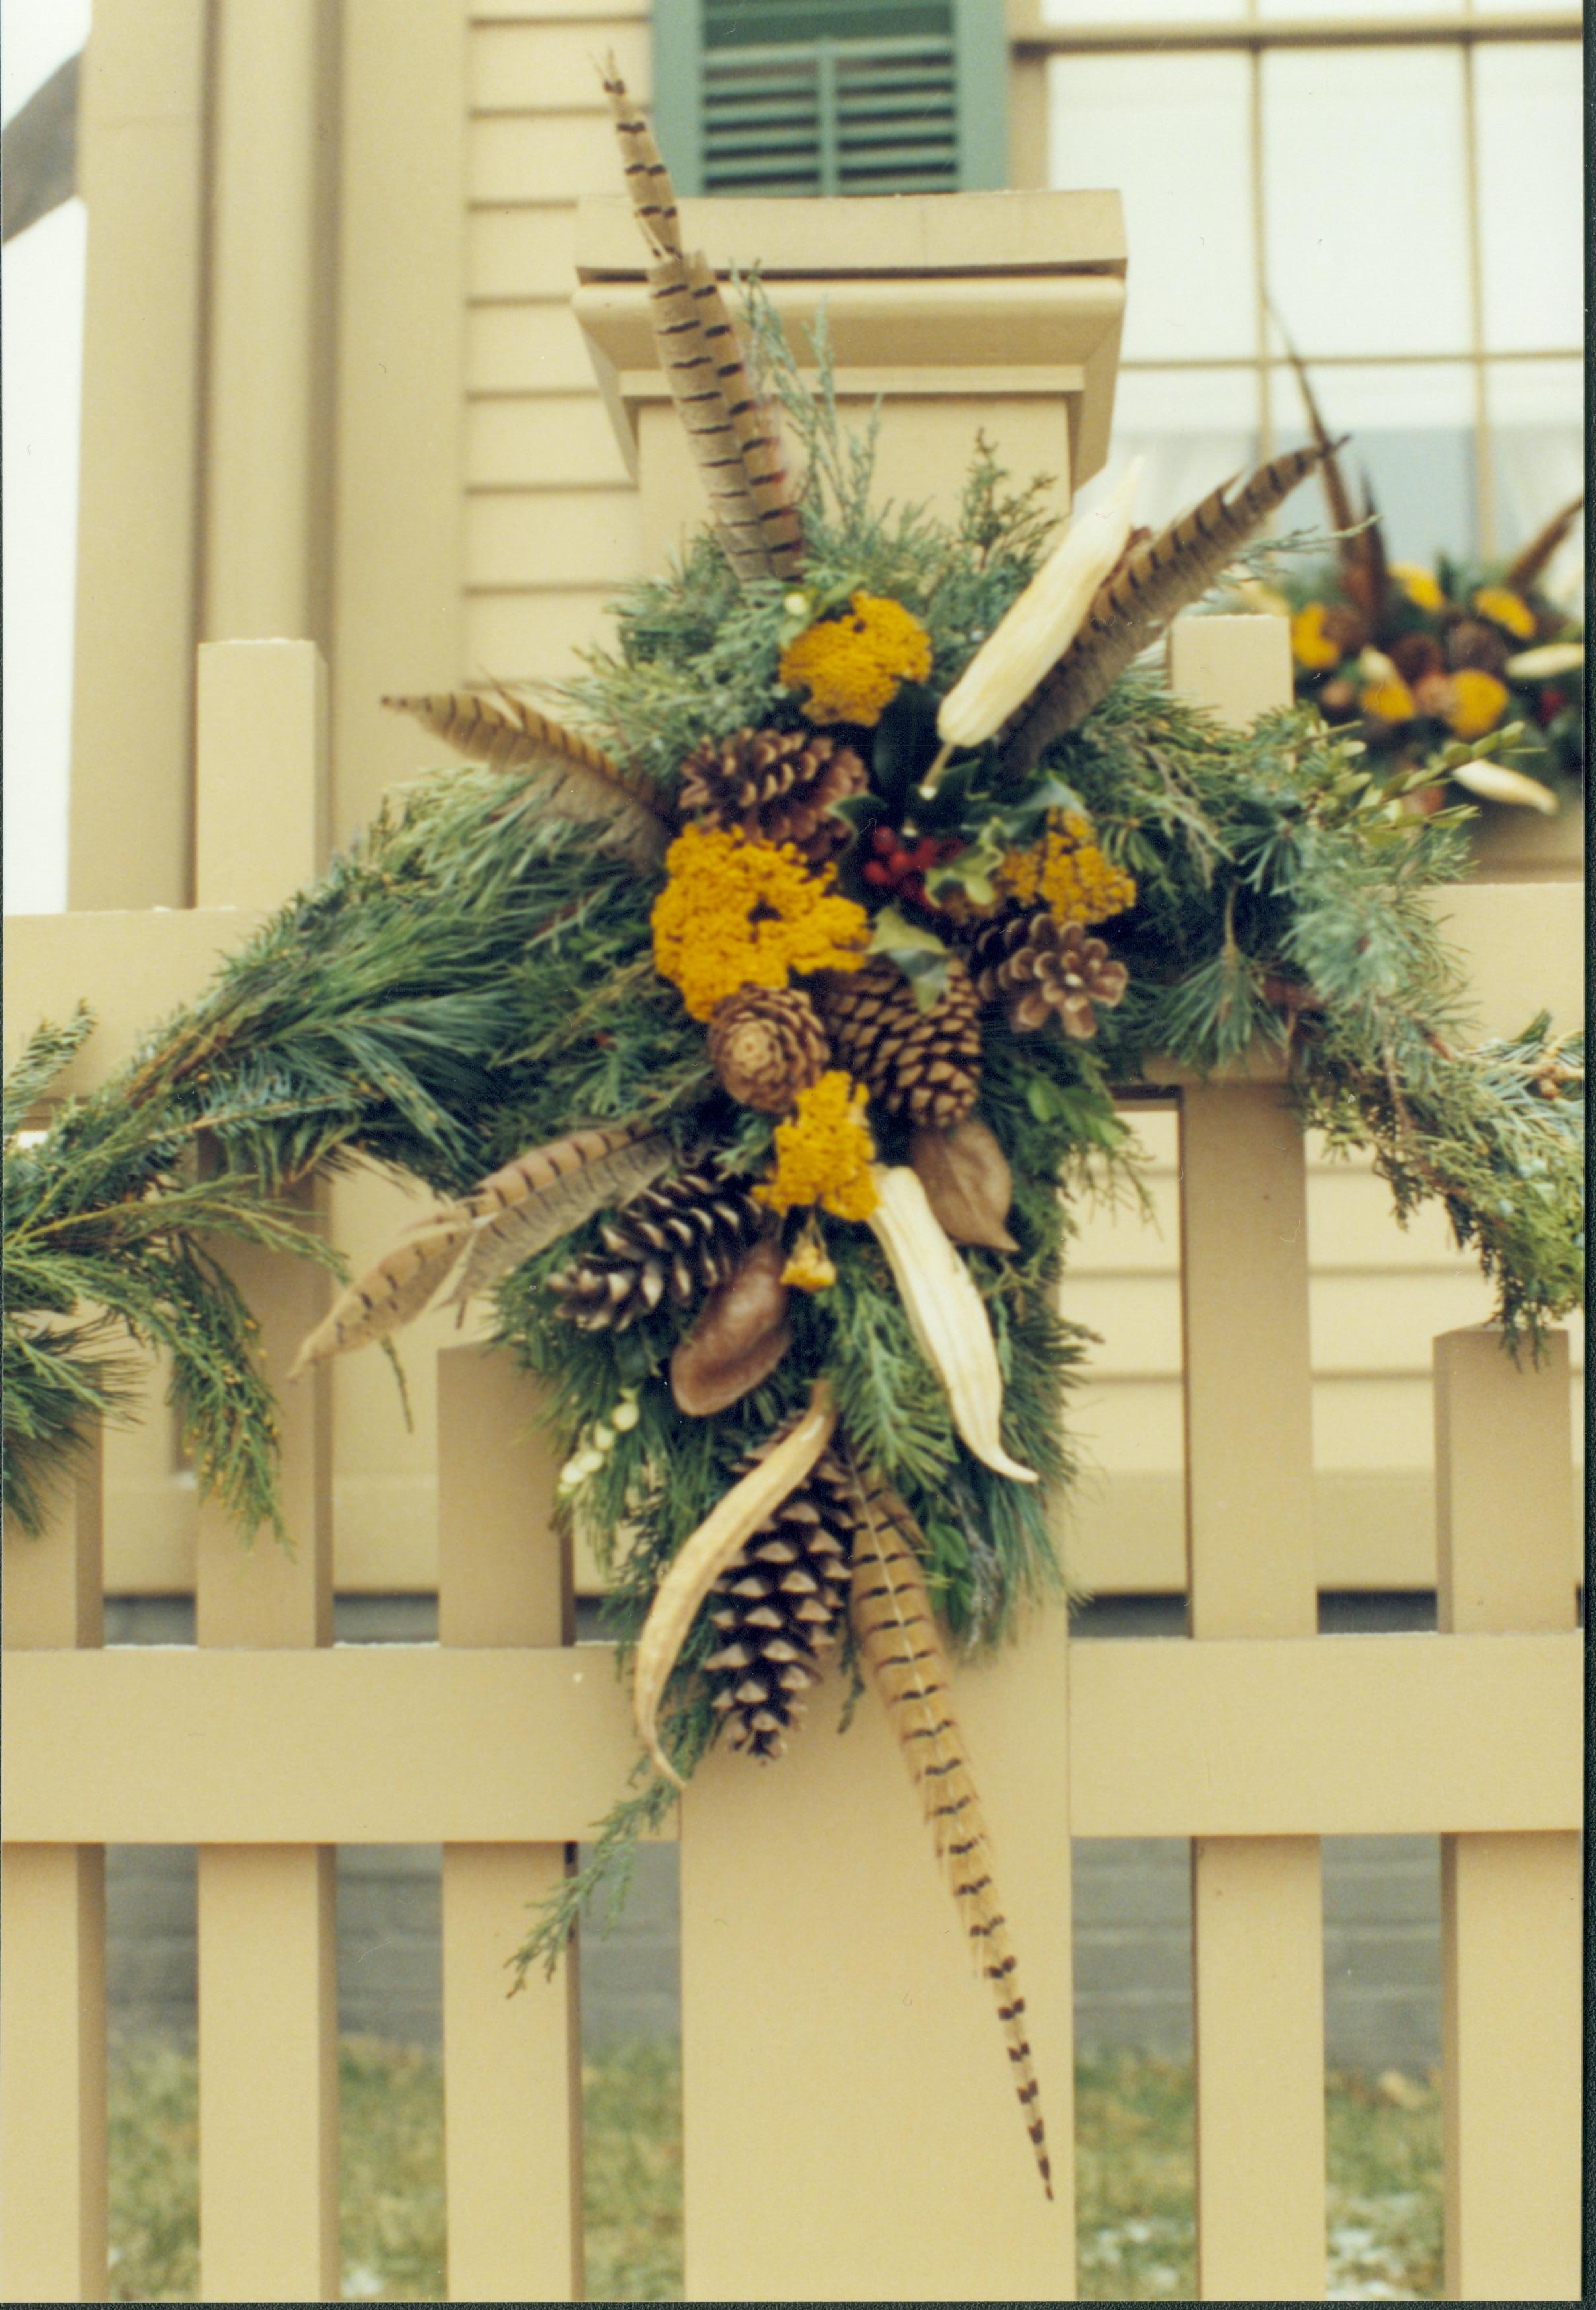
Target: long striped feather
{"type": "Point", "coordinates": [1152, 586]}
{"type": "Point", "coordinates": [542, 1194]}
{"type": "Point", "coordinates": [1530, 561]}
{"type": "Point", "coordinates": [734, 436]}
{"type": "Point", "coordinates": [391, 1294]}
{"type": "Point", "coordinates": [575, 776]}
{"type": "Point", "coordinates": [898, 1635]}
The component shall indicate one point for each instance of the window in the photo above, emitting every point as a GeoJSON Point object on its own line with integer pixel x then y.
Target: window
{"type": "Point", "coordinates": [1398, 186]}
{"type": "Point", "coordinates": [831, 96]}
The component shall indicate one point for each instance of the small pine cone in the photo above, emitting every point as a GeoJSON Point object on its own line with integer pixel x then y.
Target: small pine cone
{"type": "Point", "coordinates": [681, 1236]}
{"type": "Point", "coordinates": [1036, 966]}
{"type": "Point", "coordinates": [779, 1604]}
{"type": "Point", "coordinates": [924, 1066]}
{"type": "Point", "coordinates": [1345, 627]}
{"type": "Point", "coordinates": [776, 785]}
{"type": "Point", "coordinates": [766, 1044]}
{"type": "Point", "coordinates": [1472, 643]}
{"type": "Point", "coordinates": [1416, 656]}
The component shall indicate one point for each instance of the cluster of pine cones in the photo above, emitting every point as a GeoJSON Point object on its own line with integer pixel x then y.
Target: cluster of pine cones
{"type": "Point", "coordinates": [687, 1235]}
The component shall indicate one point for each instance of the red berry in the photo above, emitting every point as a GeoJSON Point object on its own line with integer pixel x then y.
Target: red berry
{"type": "Point", "coordinates": [1552, 702]}
{"type": "Point", "coordinates": [924, 853]}
{"type": "Point", "coordinates": [913, 887]}
{"type": "Point", "coordinates": [876, 873]}
{"type": "Point", "coordinates": [884, 841]}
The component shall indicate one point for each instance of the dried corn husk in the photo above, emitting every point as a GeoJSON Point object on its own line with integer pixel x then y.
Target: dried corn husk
{"type": "Point", "coordinates": [705, 1556]}
{"type": "Point", "coordinates": [946, 1313]}
{"type": "Point", "coordinates": [1546, 662]}
{"type": "Point", "coordinates": [1039, 627]}
{"type": "Point", "coordinates": [1492, 783]}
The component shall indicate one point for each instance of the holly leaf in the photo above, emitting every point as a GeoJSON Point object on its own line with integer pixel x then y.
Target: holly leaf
{"type": "Point", "coordinates": [906, 744]}
{"type": "Point", "coordinates": [918, 953]}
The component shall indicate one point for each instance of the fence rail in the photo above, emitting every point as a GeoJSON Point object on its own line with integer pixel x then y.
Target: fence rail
{"type": "Point", "coordinates": [847, 2128]}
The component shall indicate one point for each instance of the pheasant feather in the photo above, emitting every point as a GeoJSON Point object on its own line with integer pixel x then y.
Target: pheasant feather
{"type": "Point", "coordinates": [898, 1635]}
{"type": "Point", "coordinates": [734, 435]}
{"type": "Point", "coordinates": [577, 777]}
{"type": "Point", "coordinates": [543, 1194]}
{"type": "Point", "coordinates": [389, 1295]}
{"type": "Point", "coordinates": [1531, 560]}
{"type": "Point", "coordinates": [1136, 601]}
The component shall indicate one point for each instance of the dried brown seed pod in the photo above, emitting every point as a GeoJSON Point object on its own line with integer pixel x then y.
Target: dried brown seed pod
{"type": "Point", "coordinates": [967, 1182]}
{"type": "Point", "coordinates": [739, 1338]}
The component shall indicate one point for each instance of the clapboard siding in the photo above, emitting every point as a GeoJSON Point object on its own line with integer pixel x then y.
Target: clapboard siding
{"type": "Point", "coordinates": [536, 68]}
{"type": "Point", "coordinates": [578, 537]}
{"type": "Point", "coordinates": [515, 254]}
{"type": "Point", "coordinates": [525, 348]}
{"type": "Point", "coordinates": [532, 636]}
{"type": "Point", "coordinates": [541, 156]}
{"type": "Point", "coordinates": [523, 441]}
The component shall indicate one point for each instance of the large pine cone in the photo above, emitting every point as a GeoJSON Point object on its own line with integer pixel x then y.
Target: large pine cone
{"type": "Point", "coordinates": [1472, 643]}
{"type": "Point", "coordinates": [678, 1239]}
{"type": "Point", "coordinates": [923, 1064]}
{"type": "Point", "coordinates": [1036, 966]}
{"type": "Point", "coordinates": [778, 785]}
{"type": "Point", "coordinates": [766, 1044]}
{"type": "Point", "coordinates": [778, 1606]}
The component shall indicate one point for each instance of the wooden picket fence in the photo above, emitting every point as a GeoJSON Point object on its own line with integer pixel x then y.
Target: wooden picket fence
{"type": "Point", "coordinates": [848, 2122]}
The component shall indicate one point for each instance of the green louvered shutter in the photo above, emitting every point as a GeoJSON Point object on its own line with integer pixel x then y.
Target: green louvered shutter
{"type": "Point", "coordinates": [831, 96]}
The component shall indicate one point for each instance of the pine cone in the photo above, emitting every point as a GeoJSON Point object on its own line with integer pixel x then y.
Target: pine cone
{"type": "Point", "coordinates": [923, 1064]}
{"type": "Point", "coordinates": [672, 1241]}
{"type": "Point", "coordinates": [778, 1606]}
{"type": "Point", "coordinates": [1037, 964]}
{"type": "Point", "coordinates": [1472, 643]}
{"type": "Point", "coordinates": [766, 1044]}
{"type": "Point", "coordinates": [776, 785]}
{"type": "Point", "coordinates": [1417, 656]}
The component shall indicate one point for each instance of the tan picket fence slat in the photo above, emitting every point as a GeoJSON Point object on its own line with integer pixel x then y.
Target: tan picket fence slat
{"type": "Point", "coordinates": [849, 2129]}
{"type": "Point", "coordinates": [512, 2067]}
{"type": "Point", "coordinates": [1512, 1908]}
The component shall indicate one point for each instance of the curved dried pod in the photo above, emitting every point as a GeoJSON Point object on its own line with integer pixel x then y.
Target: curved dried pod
{"type": "Point", "coordinates": [967, 1182]}
{"type": "Point", "coordinates": [946, 1313]}
{"type": "Point", "coordinates": [707, 1553]}
{"type": "Point", "coordinates": [739, 1339]}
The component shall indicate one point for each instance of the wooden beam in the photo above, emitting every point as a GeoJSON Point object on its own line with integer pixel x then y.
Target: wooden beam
{"type": "Point", "coordinates": [1366, 1736]}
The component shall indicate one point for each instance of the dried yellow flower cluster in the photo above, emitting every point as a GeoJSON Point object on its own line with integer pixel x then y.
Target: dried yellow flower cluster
{"type": "Point", "coordinates": [737, 913]}
{"type": "Point", "coordinates": [823, 1154]}
{"type": "Point", "coordinates": [853, 667]}
{"type": "Point", "coordinates": [1069, 874]}
{"type": "Point", "coordinates": [1311, 646]}
{"type": "Point", "coordinates": [1506, 609]}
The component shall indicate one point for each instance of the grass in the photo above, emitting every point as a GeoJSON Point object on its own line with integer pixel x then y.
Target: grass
{"type": "Point", "coordinates": [1133, 2177]}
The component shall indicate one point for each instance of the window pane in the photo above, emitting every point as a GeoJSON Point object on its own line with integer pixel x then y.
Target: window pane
{"type": "Point", "coordinates": [1365, 198]}
{"type": "Point", "coordinates": [1413, 440]}
{"type": "Point", "coordinates": [1139, 11]}
{"type": "Point", "coordinates": [1537, 459]}
{"type": "Point", "coordinates": [1531, 207]}
{"type": "Point", "coordinates": [1171, 132]}
{"type": "Point", "coordinates": [1194, 427]}
{"type": "Point", "coordinates": [1343, 8]}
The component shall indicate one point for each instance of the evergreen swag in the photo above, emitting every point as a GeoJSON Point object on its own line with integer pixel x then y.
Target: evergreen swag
{"type": "Point", "coordinates": [484, 974]}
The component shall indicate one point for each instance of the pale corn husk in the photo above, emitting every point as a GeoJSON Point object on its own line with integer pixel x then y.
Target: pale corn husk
{"type": "Point", "coordinates": [1545, 664]}
{"type": "Point", "coordinates": [704, 1555]}
{"type": "Point", "coordinates": [1040, 626]}
{"type": "Point", "coordinates": [1492, 783]}
{"type": "Point", "coordinates": [947, 1314]}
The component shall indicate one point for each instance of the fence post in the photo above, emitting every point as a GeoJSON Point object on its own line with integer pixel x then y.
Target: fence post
{"type": "Point", "coordinates": [1257, 1908]}
{"type": "Point", "coordinates": [1511, 1906]}
{"type": "Point", "coordinates": [267, 1988]}
{"type": "Point", "coordinates": [512, 2070]}
{"type": "Point", "coordinates": [52, 1954]}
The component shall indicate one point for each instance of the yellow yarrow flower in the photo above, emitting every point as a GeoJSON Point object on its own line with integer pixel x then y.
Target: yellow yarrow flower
{"type": "Point", "coordinates": [810, 1266]}
{"type": "Point", "coordinates": [824, 1152]}
{"type": "Point", "coordinates": [1311, 646]}
{"type": "Point", "coordinates": [737, 913]}
{"type": "Point", "coordinates": [1505, 609]}
{"type": "Point", "coordinates": [1391, 699]}
{"type": "Point", "coordinates": [1478, 701]}
{"type": "Point", "coordinates": [1069, 874]}
{"type": "Point", "coordinates": [1422, 586]}
{"type": "Point", "coordinates": [853, 667]}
